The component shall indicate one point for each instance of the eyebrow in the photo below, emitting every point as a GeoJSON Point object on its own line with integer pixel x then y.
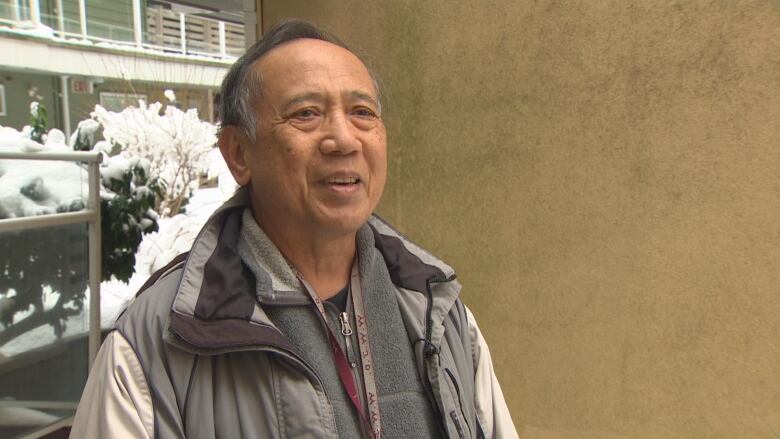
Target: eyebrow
{"type": "Point", "coordinates": [303, 97]}
{"type": "Point", "coordinates": [318, 96]}
{"type": "Point", "coordinates": [360, 96]}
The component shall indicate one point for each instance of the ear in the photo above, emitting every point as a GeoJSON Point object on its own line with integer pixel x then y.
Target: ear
{"type": "Point", "coordinates": [231, 142]}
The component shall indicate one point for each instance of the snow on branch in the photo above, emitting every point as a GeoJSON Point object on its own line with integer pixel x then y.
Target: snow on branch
{"type": "Point", "coordinates": [175, 142]}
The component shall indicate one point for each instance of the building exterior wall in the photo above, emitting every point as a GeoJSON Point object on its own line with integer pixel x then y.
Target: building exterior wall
{"type": "Point", "coordinates": [33, 57]}
{"type": "Point", "coordinates": [605, 178]}
{"type": "Point", "coordinates": [18, 87]}
{"type": "Point", "coordinates": [186, 97]}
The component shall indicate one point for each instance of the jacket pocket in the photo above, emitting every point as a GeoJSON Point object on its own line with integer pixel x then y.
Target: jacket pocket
{"type": "Point", "coordinates": [458, 417]}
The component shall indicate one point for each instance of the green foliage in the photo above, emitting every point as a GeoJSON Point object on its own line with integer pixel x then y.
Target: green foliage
{"type": "Point", "coordinates": [125, 218]}
{"type": "Point", "coordinates": [82, 142]}
{"type": "Point", "coordinates": [38, 121]}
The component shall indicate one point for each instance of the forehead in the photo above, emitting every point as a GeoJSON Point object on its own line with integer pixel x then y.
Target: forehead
{"type": "Point", "coordinates": [305, 63]}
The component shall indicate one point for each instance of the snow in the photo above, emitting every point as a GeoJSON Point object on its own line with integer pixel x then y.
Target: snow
{"type": "Point", "coordinates": [103, 146]}
{"type": "Point", "coordinates": [170, 95]}
{"type": "Point", "coordinates": [175, 236]}
{"type": "Point", "coordinates": [34, 187]}
{"type": "Point", "coordinates": [29, 28]}
{"type": "Point", "coordinates": [34, 108]}
{"type": "Point", "coordinates": [12, 140]}
{"type": "Point", "coordinates": [41, 187]}
{"type": "Point", "coordinates": [142, 130]}
{"type": "Point", "coordinates": [217, 168]}
{"type": "Point", "coordinates": [86, 130]}
{"type": "Point", "coordinates": [56, 139]}
{"type": "Point", "coordinates": [114, 168]}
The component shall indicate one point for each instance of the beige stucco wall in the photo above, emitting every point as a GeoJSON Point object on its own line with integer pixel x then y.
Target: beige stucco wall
{"type": "Point", "coordinates": [605, 178]}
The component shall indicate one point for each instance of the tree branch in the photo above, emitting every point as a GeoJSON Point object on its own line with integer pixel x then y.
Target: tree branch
{"type": "Point", "coordinates": [35, 320]}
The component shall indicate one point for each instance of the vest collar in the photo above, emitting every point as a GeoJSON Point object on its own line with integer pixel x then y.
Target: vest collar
{"type": "Point", "coordinates": [218, 301]}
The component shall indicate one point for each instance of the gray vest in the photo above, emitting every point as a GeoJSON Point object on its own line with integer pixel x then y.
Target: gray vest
{"type": "Point", "coordinates": [405, 409]}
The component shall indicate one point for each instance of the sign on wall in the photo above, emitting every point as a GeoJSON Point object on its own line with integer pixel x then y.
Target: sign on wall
{"type": "Point", "coordinates": [119, 101]}
{"type": "Point", "coordinates": [81, 86]}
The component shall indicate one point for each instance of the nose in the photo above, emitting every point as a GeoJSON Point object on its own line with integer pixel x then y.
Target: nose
{"type": "Point", "coordinates": [340, 136]}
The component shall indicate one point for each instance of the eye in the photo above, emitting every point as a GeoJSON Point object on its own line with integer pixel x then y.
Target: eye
{"type": "Point", "coordinates": [365, 112]}
{"type": "Point", "coordinates": [306, 114]}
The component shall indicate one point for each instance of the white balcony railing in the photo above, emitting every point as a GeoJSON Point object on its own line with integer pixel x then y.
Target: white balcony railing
{"type": "Point", "coordinates": [192, 34]}
{"type": "Point", "coordinates": [163, 32]}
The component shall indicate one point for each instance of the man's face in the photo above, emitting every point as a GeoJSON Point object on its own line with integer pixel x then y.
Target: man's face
{"type": "Point", "coordinates": [319, 161]}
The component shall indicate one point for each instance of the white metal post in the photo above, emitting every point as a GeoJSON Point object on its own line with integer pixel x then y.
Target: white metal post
{"type": "Point", "coordinates": [95, 274]}
{"type": "Point", "coordinates": [83, 18]}
{"type": "Point", "coordinates": [222, 46]}
{"type": "Point", "coordinates": [65, 105]}
{"type": "Point", "coordinates": [35, 12]}
{"type": "Point", "coordinates": [182, 33]}
{"type": "Point", "coordinates": [15, 10]}
{"type": "Point", "coordinates": [60, 16]}
{"type": "Point", "coordinates": [137, 33]}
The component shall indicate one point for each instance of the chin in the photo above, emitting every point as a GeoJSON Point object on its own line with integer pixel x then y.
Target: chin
{"type": "Point", "coordinates": [344, 224]}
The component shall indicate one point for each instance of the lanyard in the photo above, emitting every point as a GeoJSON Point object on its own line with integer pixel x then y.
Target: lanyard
{"type": "Point", "coordinates": [372, 421]}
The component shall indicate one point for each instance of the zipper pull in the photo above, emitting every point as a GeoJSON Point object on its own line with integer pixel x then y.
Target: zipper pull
{"type": "Point", "coordinates": [346, 329]}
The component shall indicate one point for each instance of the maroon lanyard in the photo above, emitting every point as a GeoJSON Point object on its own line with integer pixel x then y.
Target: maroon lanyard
{"type": "Point", "coordinates": [372, 421]}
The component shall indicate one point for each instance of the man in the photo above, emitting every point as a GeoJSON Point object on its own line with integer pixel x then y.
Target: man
{"type": "Point", "coordinates": [297, 313]}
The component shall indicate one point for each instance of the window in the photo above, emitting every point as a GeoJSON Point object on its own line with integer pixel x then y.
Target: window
{"type": "Point", "coordinates": [119, 101]}
{"type": "Point", "coordinates": [2, 100]}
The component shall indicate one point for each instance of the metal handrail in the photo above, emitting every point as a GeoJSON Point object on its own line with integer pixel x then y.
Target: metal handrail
{"type": "Point", "coordinates": [65, 156]}
{"type": "Point", "coordinates": [91, 216]}
{"type": "Point", "coordinates": [40, 221]}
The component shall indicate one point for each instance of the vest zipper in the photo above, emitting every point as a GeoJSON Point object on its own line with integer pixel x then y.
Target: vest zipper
{"type": "Point", "coordinates": [346, 331]}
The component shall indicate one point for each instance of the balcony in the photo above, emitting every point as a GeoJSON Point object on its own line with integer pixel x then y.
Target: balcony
{"type": "Point", "coordinates": [156, 29]}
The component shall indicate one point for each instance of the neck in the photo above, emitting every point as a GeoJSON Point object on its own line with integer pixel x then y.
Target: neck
{"type": "Point", "coordinates": [324, 261]}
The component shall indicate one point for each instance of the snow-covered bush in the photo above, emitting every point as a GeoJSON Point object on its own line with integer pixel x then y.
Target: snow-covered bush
{"type": "Point", "coordinates": [85, 136]}
{"type": "Point", "coordinates": [127, 213]}
{"type": "Point", "coordinates": [175, 142]}
{"type": "Point", "coordinates": [38, 120]}
{"type": "Point", "coordinates": [39, 283]}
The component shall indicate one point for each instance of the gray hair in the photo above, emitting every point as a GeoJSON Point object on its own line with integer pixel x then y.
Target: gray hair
{"type": "Point", "coordinates": [242, 82]}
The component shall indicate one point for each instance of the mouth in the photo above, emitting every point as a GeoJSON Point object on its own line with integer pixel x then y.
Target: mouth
{"type": "Point", "coordinates": [343, 181]}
